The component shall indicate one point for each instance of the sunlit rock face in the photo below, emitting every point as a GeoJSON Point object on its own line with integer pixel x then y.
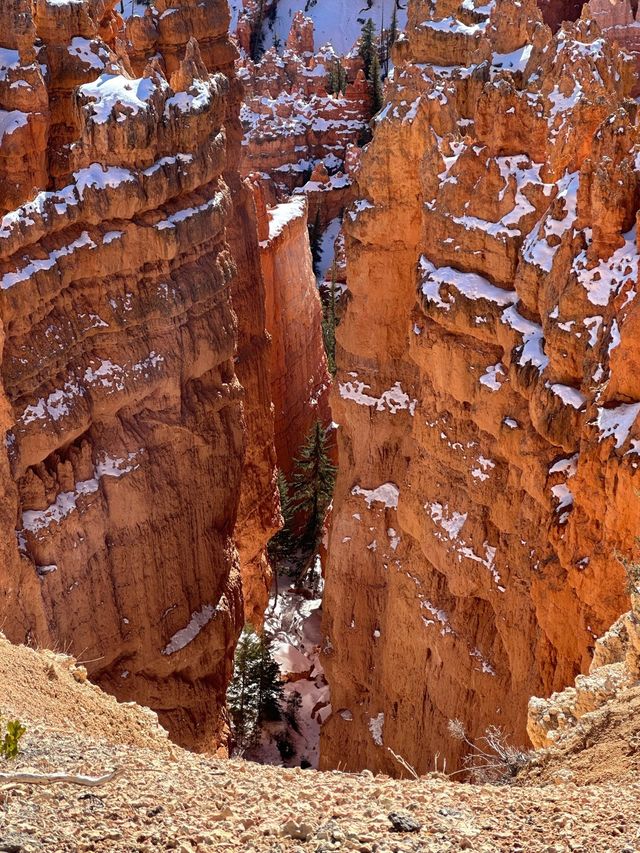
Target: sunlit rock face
{"type": "Point", "coordinates": [487, 391]}
{"type": "Point", "coordinates": [135, 359]}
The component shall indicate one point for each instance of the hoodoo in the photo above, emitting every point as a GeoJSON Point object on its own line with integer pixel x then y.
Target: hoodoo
{"type": "Point", "coordinates": [487, 394]}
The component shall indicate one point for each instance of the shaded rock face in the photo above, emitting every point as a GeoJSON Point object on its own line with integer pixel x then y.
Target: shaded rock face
{"type": "Point", "coordinates": [132, 312]}
{"type": "Point", "coordinates": [554, 12]}
{"type": "Point", "coordinates": [298, 366]}
{"type": "Point", "coordinates": [486, 389]}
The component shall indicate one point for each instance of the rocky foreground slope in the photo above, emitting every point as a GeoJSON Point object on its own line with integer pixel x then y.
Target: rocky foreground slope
{"type": "Point", "coordinates": [134, 352]}
{"type": "Point", "coordinates": [488, 392]}
{"type": "Point", "coordinates": [169, 799]}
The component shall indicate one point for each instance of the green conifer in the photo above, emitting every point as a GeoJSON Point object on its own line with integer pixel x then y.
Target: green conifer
{"type": "Point", "coordinates": [367, 47]}
{"type": "Point", "coordinates": [255, 690]}
{"type": "Point", "coordinates": [313, 481]}
{"type": "Point", "coordinates": [376, 84]}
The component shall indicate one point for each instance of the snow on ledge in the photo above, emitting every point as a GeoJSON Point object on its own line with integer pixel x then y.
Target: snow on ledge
{"type": "Point", "coordinates": [386, 494]}
{"type": "Point", "coordinates": [617, 422]}
{"type": "Point", "coordinates": [394, 399]}
{"type": "Point", "coordinates": [199, 619]}
{"type": "Point", "coordinates": [282, 214]}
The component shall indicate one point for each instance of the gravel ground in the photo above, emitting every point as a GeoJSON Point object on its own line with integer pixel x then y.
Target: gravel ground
{"type": "Point", "coordinates": [169, 799]}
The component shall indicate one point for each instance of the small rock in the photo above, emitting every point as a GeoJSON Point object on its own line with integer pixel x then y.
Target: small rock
{"type": "Point", "coordinates": [300, 831]}
{"type": "Point", "coordinates": [155, 811]}
{"type": "Point", "coordinates": [403, 823]}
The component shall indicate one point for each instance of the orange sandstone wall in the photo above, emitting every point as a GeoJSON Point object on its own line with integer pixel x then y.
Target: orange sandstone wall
{"type": "Point", "coordinates": [132, 312]}
{"type": "Point", "coordinates": [487, 389]}
{"type": "Point", "coordinates": [299, 378]}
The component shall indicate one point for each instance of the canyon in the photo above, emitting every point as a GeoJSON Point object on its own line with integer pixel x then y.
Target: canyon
{"type": "Point", "coordinates": [173, 200]}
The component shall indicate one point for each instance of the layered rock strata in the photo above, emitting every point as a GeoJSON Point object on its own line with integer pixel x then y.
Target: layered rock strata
{"type": "Point", "coordinates": [128, 252]}
{"type": "Point", "coordinates": [487, 391]}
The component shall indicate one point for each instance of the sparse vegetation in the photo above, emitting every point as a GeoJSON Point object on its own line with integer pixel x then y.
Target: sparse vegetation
{"type": "Point", "coordinates": [376, 84]}
{"type": "Point", "coordinates": [282, 543]}
{"type": "Point", "coordinates": [330, 321]}
{"type": "Point", "coordinates": [367, 47]}
{"type": "Point", "coordinates": [337, 78]}
{"type": "Point", "coordinates": [491, 758]}
{"type": "Point", "coordinates": [632, 571]}
{"type": "Point", "coordinates": [304, 503]}
{"type": "Point", "coordinates": [10, 743]}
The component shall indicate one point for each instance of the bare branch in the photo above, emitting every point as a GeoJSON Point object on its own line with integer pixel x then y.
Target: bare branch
{"type": "Point", "coordinates": [404, 763]}
{"type": "Point", "coordinates": [19, 778]}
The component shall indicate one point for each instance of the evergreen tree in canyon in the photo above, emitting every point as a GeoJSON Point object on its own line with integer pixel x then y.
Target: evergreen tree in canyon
{"type": "Point", "coordinates": [376, 84]}
{"type": "Point", "coordinates": [255, 691]}
{"type": "Point", "coordinates": [313, 481]}
{"type": "Point", "coordinates": [337, 78]}
{"type": "Point", "coordinates": [330, 321]}
{"type": "Point", "coordinates": [283, 542]}
{"type": "Point", "coordinates": [391, 38]}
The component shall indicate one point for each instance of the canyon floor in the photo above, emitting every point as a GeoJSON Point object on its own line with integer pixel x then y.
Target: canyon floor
{"type": "Point", "coordinates": [171, 799]}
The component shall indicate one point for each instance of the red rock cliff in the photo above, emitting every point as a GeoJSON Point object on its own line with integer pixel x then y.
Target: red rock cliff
{"type": "Point", "coordinates": [299, 378]}
{"type": "Point", "coordinates": [134, 361]}
{"type": "Point", "coordinates": [487, 390]}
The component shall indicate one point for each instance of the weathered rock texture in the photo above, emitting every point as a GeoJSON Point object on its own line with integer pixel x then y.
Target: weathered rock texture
{"type": "Point", "coordinates": [619, 21]}
{"type": "Point", "coordinates": [592, 726]}
{"type": "Point", "coordinates": [122, 363]}
{"type": "Point", "coordinates": [298, 366]}
{"type": "Point", "coordinates": [488, 391]}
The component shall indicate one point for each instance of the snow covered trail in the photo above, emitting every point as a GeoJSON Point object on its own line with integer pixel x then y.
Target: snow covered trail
{"type": "Point", "coordinates": [293, 620]}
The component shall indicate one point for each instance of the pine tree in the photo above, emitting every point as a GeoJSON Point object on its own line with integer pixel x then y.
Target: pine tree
{"type": "Point", "coordinates": [269, 683]}
{"type": "Point", "coordinates": [392, 36]}
{"type": "Point", "coordinates": [242, 698]}
{"type": "Point", "coordinates": [393, 29]}
{"type": "Point", "coordinates": [337, 78]}
{"type": "Point", "coordinates": [255, 42]}
{"type": "Point", "coordinates": [376, 84]}
{"type": "Point", "coordinates": [313, 481]}
{"type": "Point", "coordinates": [292, 710]}
{"type": "Point", "coordinates": [282, 543]}
{"type": "Point", "coordinates": [367, 47]}
{"type": "Point", "coordinates": [329, 322]}
{"type": "Point", "coordinates": [315, 240]}
{"type": "Point", "coordinates": [255, 690]}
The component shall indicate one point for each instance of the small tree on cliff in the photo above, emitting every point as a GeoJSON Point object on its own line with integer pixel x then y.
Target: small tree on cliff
{"type": "Point", "coordinates": [337, 78]}
{"type": "Point", "coordinates": [255, 692]}
{"type": "Point", "coordinates": [313, 481]}
{"type": "Point", "coordinates": [315, 239]}
{"type": "Point", "coordinates": [367, 47]}
{"type": "Point", "coordinates": [255, 42]}
{"type": "Point", "coordinates": [391, 37]}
